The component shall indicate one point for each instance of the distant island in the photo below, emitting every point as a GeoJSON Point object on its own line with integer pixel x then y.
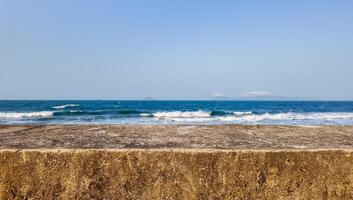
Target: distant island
{"type": "Point", "coordinates": [149, 99]}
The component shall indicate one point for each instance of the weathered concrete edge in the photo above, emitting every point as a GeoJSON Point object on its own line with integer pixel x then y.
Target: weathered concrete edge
{"type": "Point", "coordinates": [180, 150]}
{"type": "Point", "coordinates": [176, 174]}
{"type": "Point", "coordinates": [175, 137]}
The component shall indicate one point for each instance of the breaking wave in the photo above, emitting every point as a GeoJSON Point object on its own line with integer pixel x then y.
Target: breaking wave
{"type": "Point", "coordinates": [291, 117]}
{"type": "Point", "coordinates": [23, 115]}
{"type": "Point", "coordinates": [184, 117]}
{"type": "Point", "coordinates": [242, 113]}
{"type": "Point", "coordinates": [248, 116]}
{"type": "Point", "coordinates": [198, 114]}
{"type": "Point", "coordinates": [220, 113]}
{"type": "Point", "coordinates": [65, 106]}
{"type": "Point", "coordinates": [182, 114]}
{"type": "Point", "coordinates": [146, 115]}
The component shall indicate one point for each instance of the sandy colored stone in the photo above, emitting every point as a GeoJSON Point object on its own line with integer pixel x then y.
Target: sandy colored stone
{"type": "Point", "coordinates": [176, 162]}
{"type": "Point", "coordinates": [191, 137]}
{"type": "Point", "coordinates": [181, 174]}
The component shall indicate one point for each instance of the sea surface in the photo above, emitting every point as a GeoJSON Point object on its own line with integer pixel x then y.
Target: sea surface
{"type": "Point", "coordinates": [177, 112]}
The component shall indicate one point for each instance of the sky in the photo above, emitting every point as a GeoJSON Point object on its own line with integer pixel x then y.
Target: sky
{"type": "Point", "coordinates": [177, 49]}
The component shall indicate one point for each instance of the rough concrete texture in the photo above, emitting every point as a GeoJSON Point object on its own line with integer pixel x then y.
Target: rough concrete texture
{"type": "Point", "coordinates": [176, 162]}
{"type": "Point", "coordinates": [195, 137]}
{"type": "Point", "coordinates": [175, 174]}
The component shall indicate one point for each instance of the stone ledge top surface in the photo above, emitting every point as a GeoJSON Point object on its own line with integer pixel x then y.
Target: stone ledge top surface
{"type": "Point", "coordinates": [228, 137]}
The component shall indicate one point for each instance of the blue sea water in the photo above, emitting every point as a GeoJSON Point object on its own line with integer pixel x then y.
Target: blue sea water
{"type": "Point", "coordinates": [177, 112]}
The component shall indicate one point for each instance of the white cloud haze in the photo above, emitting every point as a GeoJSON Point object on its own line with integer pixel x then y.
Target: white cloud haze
{"type": "Point", "coordinates": [257, 94]}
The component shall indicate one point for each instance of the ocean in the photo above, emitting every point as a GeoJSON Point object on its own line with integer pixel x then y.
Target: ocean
{"type": "Point", "coordinates": [177, 112]}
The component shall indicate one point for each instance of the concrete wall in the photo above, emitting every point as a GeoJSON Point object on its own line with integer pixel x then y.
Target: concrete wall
{"type": "Point", "coordinates": [180, 174]}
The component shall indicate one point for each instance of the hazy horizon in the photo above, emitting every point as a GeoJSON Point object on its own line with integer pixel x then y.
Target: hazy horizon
{"type": "Point", "coordinates": [178, 50]}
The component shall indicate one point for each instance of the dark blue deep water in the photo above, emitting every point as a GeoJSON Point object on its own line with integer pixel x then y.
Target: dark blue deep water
{"type": "Point", "coordinates": [177, 112]}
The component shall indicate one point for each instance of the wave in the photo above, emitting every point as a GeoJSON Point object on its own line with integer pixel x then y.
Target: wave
{"type": "Point", "coordinates": [23, 115]}
{"type": "Point", "coordinates": [300, 116]}
{"type": "Point", "coordinates": [198, 114]}
{"type": "Point", "coordinates": [227, 113]}
{"type": "Point", "coordinates": [65, 106]}
{"type": "Point", "coordinates": [220, 113]}
{"type": "Point", "coordinates": [97, 112]}
{"type": "Point", "coordinates": [127, 112]}
{"type": "Point", "coordinates": [249, 117]}
{"type": "Point", "coordinates": [146, 115]}
{"type": "Point", "coordinates": [78, 113]}
{"type": "Point", "coordinates": [288, 117]}
{"type": "Point", "coordinates": [182, 114]}
{"type": "Point", "coordinates": [242, 113]}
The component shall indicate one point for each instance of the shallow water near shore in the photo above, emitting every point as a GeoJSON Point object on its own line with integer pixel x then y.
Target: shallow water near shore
{"type": "Point", "coordinates": [177, 112]}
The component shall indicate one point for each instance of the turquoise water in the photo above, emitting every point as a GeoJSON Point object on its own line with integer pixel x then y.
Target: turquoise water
{"type": "Point", "coordinates": [177, 112]}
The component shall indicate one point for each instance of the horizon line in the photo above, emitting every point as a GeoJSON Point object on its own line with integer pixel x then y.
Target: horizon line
{"type": "Point", "coordinates": [176, 99]}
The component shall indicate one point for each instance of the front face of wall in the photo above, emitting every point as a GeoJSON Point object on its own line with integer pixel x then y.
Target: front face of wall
{"type": "Point", "coordinates": [158, 174]}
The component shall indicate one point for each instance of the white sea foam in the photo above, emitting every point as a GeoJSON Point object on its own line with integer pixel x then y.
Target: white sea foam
{"type": "Point", "coordinates": [289, 117]}
{"type": "Point", "coordinates": [145, 114]}
{"type": "Point", "coordinates": [65, 106]}
{"type": "Point", "coordinates": [193, 120]}
{"type": "Point", "coordinates": [181, 114]}
{"type": "Point", "coordinates": [21, 115]}
{"type": "Point", "coordinates": [249, 117]}
{"type": "Point", "coordinates": [242, 113]}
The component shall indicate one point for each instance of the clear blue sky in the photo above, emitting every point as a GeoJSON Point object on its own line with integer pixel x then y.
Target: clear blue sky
{"type": "Point", "coordinates": [179, 49]}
